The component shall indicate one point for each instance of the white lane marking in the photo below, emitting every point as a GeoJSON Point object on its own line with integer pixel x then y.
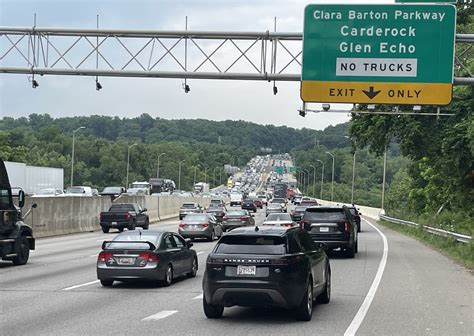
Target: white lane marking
{"type": "Point", "coordinates": [82, 285]}
{"type": "Point", "coordinates": [200, 296]}
{"type": "Point", "coordinates": [359, 317]}
{"type": "Point", "coordinates": [200, 253]}
{"type": "Point", "coordinates": [161, 315]}
{"type": "Point", "coordinates": [93, 256]}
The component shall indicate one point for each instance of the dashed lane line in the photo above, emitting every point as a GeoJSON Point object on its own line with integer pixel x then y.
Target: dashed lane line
{"type": "Point", "coordinates": [81, 285]}
{"type": "Point", "coordinates": [161, 315]}
{"type": "Point", "coordinates": [364, 308]}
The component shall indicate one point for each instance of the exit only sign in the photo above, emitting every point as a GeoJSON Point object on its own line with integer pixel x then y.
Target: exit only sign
{"type": "Point", "coordinates": [392, 54]}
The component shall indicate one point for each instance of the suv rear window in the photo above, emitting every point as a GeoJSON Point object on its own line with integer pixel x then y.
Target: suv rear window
{"type": "Point", "coordinates": [252, 245]}
{"type": "Point", "coordinates": [324, 214]}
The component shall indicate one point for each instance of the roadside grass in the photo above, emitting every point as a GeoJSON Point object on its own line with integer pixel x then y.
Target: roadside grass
{"type": "Point", "coordinates": [460, 252]}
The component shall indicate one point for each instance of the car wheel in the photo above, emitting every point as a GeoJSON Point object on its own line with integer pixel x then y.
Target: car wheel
{"type": "Point", "coordinates": [147, 225]}
{"type": "Point", "coordinates": [356, 249]}
{"type": "Point", "coordinates": [105, 229]}
{"type": "Point", "coordinates": [22, 251]}
{"type": "Point", "coordinates": [325, 296]}
{"type": "Point", "coordinates": [211, 237]}
{"type": "Point", "coordinates": [194, 269]}
{"type": "Point", "coordinates": [120, 229]}
{"type": "Point", "coordinates": [132, 226]}
{"type": "Point", "coordinates": [168, 276]}
{"type": "Point", "coordinates": [350, 251]}
{"type": "Point", "coordinates": [305, 310]}
{"type": "Point", "coordinates": [212, 311]}
{"type": "Point", "coordinates": [106, 283]}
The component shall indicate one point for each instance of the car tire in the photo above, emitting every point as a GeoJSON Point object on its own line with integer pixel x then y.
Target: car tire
{"type": "Point", "coordinates": [305, 310]}
{"type": "Point", "coordinates": [22, 250]}
{"type": "Point", "coordinates": [120, 229]}
{"type": "Point", "coordinates": [106, 283]}
{"type": "Point", "coordinates": [105, 229]}
{"type": "Point", "coordinates": [132, 226]}
{"type": "Point", "coordinates": [254, 210]}
{"type": "Point", "coordinates": [147, 224]}
{"type": "Point", "coordinates": [212, 311]}
{"type": "Point", "coordinates": [168, 280]}
{"type": "Point", "coordinates": [350, 251]}
{"type": "Point", "coordinates": [356, 249]}
{"type": "Point", "coordinates": [211, 237]}
{"type": "Point", "coordinates": [194, 269]}
{"type": "Point", "coordinates": [325, 296]}
{"type": "Point", "coordinates": [358, 228]}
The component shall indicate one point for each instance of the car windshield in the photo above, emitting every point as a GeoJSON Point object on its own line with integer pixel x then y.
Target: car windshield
{"type": "Point", "coordinates": [137, 241]}
{"type": "Point", "coordinates": [195, 218]}
{"type": "Point", "coordinates": [46, 192]}
{"type": "Point", "coordinates": [236, 213]}
{"type": "Point", "coordinates": [115, 190]}
{"type": "Point", "coordinates": [189, 205]}
{"type": "Point", "coordinates": [273, 206]}
{"type": "Point", "coordinates": [324, 214]}
{"type": "Point", "coordinates": [239, 244]}
{"type": "Point", "coordinates": [300, 209]}
{"type": "Point", "coordinates": [279, 217]}
{"type": "Point", "coordinates": [75, 190]}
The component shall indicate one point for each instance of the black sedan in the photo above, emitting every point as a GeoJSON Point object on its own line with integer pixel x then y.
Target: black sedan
{"type": "Point", "coordinates": [249, 204]}
{"type": "Point", "coordinates": [150, 255]}
{"type": "Point", "coordinates": [237, 218]}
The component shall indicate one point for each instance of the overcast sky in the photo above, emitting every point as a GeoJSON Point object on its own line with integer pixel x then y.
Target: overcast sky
{"type": "Point", "coordinates": [126, 97]}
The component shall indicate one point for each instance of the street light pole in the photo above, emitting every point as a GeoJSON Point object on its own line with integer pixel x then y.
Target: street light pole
{"type": "Point", "coordinates": [353, 171]}
{"type": "Point", "coordinates": [72, 154]}
{"type": "Point", "coordinates": [128, 162]}
{"type": "Point", "coordinates": [179, 173]}
{"type": "Point", "coordinates": [332, 179]}
{"type": "Point", "coordinates": [307, 179]}
{"type": "Point", "coordinates": [322, 179]}
{"type": "Point", "coordinates": [314, 180]}
{"type": "Point", "coordinates": [158, 169]}
{"type": "Point", "coordinates": [194, 181]}
{"type": "Point", "coordinates": [384, 174]}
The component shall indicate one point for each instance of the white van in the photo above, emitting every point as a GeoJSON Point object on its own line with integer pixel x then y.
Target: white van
{"type": "Point", "coordinates": [79, 191]}
{"type": "Point", "coordinates": [236, 199]}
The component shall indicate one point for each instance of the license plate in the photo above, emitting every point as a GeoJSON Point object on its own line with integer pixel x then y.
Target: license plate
{"type": "Point", "coordinates": [114, 223]}
{"type": "Point", "coordinates": [323, 229]}
{"type": "Point", "coordinates": [246, 270]}
{"type": "Point", "coordinates": [126, 261]}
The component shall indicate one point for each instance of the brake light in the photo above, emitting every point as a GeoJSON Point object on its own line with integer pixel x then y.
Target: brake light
{"type": "Point", "coordinates": [224, 218]}
{"type": "Point", "coordinates": [104, 256]}
{"type": "Point", "coordinates": [287, 225]}
{"type": "Point", "coordinates": [214, 261]}
{"type": "Point", "coordinates": [181, 225]}
{"type": "Point", "coordinates": [287, 260]}
{"type": "Point", "coordinates": [205, 225]}
{"type": "Point", "coordinates": [244, 218]}
{"type": "Point", "coordinates": [347, 226]}
{"type": "Point", "coordinates": [148, 256]}
{"type": "Point", "coordinates": [127, 216]}
{"type": "Point", "coordinates": [304, 225]}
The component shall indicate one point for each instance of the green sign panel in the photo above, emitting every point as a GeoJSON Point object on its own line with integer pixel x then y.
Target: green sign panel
{"type": "Point", "coordinates": [400, 54]}
{"type": "Point", "coordinates": [279, 169]}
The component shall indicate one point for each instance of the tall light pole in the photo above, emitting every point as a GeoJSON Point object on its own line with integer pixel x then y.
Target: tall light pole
{"type": "Point", "coordinates": [384, 174]}
{"type": "Point", "coordinates": [158, 168]}
{"type": "Point", "coordinates": [128, 162]}
{"type": "Point", "coordinates": [353, 171]}
{"type": "Point", "coordinates": [72, 154]}
{"type": "Point", "coordinates": [322, 179]}
{"type": "Point", "coordinates": [194, 180]}
{"type": "Point", "coordinates": [179, 173]}
{"type": "Point", "coordinates": [332, 179]}
{"type": "Point", "coordinates": [307, 179]}
{"type": "Point", "coordinates": [314, 180]}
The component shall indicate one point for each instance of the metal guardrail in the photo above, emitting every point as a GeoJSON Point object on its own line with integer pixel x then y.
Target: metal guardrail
{"type": "Point", "coordinates": [439, 232]}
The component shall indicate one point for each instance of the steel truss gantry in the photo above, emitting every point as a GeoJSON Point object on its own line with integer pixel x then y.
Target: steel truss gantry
{"type": "Point", "coordinates": [270, 56]}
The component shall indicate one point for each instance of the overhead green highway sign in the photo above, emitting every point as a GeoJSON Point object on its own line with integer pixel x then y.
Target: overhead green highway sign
{"type": "Point", "coordinates": [385, 54]}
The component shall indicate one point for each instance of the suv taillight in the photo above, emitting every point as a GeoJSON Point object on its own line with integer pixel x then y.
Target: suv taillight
{"type": "Point", "coordinates": [181, 225]}
{"type": "Point", "coordinates": [104, 256]}
{"type": "Point", "coordinates": [214, 261]}
{"type": "Point", "coordinates": [286, 260]}
{"type": "Point", "coordinates": [127, 216]}
{"type": "Point", "coordinates": [305, 225]}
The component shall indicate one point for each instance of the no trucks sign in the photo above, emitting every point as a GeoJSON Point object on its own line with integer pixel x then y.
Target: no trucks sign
{"type": "Point", "coordinates": [378, 54]}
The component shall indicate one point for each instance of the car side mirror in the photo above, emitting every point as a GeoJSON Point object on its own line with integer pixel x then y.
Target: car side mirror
{"type": "Point", "coordinates": [144, 209]}
{"type": "Point", "coordinates": [189, 244]}
{"type": "Point", "coordinates": [21, 198]}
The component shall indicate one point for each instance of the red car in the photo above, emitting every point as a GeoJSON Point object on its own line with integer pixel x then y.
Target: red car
{"type": "Point", "coordinates": [258, 203]}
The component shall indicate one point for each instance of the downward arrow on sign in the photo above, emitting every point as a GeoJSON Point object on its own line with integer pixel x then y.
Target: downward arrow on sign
{"type": "Point", "coordinates": [371, 93]}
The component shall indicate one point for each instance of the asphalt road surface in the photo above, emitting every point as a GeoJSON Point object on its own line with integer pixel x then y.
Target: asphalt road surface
{"type": "Point", "coordinates": [396, 287]}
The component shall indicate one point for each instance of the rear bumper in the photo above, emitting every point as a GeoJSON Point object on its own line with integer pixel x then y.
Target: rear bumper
{"type": "Point", "coordinates": [131, 273]}
{"type": "Point", "coordinates": [332, 243]}
{"type": "Point", "coordinates": [233, 225]}
{"type": "Point", "coordinates": [195, 234]}
{"type": "Point", "coordinates": [119, 224]}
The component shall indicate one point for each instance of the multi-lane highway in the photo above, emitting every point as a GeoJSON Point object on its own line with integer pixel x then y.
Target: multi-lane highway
{"type": "Point", "coordinates": [394, 286]}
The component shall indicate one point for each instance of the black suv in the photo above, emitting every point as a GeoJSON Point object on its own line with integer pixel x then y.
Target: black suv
{"type": "Point", "coordinates": [268, 266]}
{"type": "Point", "coordinates": [333, 225]}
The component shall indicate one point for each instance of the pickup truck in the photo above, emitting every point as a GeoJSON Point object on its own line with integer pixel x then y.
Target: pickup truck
{"type": "Point", "coordinates": [124, 215]}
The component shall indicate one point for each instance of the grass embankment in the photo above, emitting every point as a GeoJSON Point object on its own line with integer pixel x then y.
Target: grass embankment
{"type": "Point", "coordinates": [460, 252]}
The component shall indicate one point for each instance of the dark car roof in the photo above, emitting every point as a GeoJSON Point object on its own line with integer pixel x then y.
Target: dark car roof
{"type": "Point", "coordinates": [322, 207]}
{"type": "Point", "coordinates": [258, 231]}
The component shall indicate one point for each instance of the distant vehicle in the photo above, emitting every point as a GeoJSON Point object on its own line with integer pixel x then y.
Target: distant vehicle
{"type": "Point", "coordinates": [189, 208]}
{"type": "Point", "coordinates": [279, 219]}
{"type": "Point", "coordinates": [139, 188]}
{"type": "Point", "coordinates": [49, 192]}
{"type": "Point", "coordinates": [200, 225]}
{"type": "Point", "coordinates": [79, 191]}
{"type": "Point", "coordinates": [201, 187]}
{"type": "Point", "coordinates": [112, 192]}
{"type": "Point", "coordinates": [124, 215]}
{"type": "Point", "coordinates": [159, 185]}
{"type": "Point", "coordinates": [217, 202]}
{"type": "Point", "coordinates": [250, 205]}
{"type": "Point", "coordinates": [16, 237]}
{"type": "Point", "coordinates": [282, 202]}
{"type": "Point", "coordinates": [333, 225]}
{"type": "Point", "coordinates": [273, 208]}
{"type": "Point", "coordinates": [236, 199]}
{"type": "Point", "coordinates": [257, 201]}
{"type": "Point", "coordinates": [297, 200]}
{"type": "Point", "coordinates": [217, 211]}
{"type": "Point", "coordinates": [298, 212]}
{"type": "Point", "coordinates": [267, 266]}
{"type": "Point", "coordinates": [263, 198]}
{"type": "Point", "coordinates": [152, 255]}
{"type": "Point", "coordinates": [308, 202]}
{"type": "Point", "coordinates": [356, 213]}
{"type": "Point", "coordinates": [280, 190]}
{"type": "Point", "coordinates": [237, 218]}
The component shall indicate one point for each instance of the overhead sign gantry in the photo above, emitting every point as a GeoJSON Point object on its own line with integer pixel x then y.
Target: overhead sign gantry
{"type": "Point", "coordinates": [378, 54]}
